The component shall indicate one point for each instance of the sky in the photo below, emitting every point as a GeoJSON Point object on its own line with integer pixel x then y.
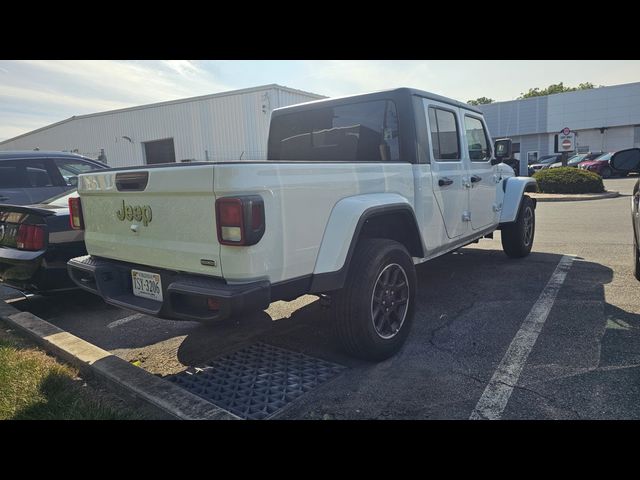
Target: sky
{"type": "Point", "coordinates": [35, 93]}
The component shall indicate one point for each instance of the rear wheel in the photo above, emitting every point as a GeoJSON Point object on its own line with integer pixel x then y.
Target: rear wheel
{"type": "Point", "coordinates": [374, 311]}
{"type": "Point", "coordinates": [517, 237]}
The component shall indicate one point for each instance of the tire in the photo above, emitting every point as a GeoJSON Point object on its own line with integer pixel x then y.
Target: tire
{"type": "Point", "coordinates": [517, 237]}
{"type": "Point", "coordinates": [364, 330]}
{"type": "Point", "coordinates": [605, 172]}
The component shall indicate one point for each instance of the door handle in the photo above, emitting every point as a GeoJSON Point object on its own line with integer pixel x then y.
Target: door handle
{"type": "Point", "coordinates": [475, 178]}
{"type": "Point", "coordinates": [443, 182]}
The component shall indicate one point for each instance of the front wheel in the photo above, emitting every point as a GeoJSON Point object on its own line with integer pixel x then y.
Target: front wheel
{"type": "Point", "coordinates": [374, 311]}
{"type": "Point", "coordinates": [606, 172]}
{"type": "Point", "coordinates": [517, 237]}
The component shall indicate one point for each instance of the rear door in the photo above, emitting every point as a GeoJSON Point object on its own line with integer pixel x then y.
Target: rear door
{"type": "Point", "coordinates": [482, 175]}
{"type": "Point", "coordinates": [449, 170]}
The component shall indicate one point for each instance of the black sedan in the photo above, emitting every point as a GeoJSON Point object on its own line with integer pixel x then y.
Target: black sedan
{"type": "Point", "coordinates": [628, 161]}
{"type": "Point", "coordinates": [36, 241]}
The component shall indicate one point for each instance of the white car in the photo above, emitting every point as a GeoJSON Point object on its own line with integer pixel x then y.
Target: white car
{"type": "Point", "coordinates": [354, 193]}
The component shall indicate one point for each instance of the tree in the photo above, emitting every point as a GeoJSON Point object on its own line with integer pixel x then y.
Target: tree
{"type": "Point", "coordinates": [555, 88]}
{"type": "Point", "coordinates": [480, 101]}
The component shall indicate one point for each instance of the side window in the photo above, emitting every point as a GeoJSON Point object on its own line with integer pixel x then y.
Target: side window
{"type": "Point", "coordinates": [71, 168]}
{"type": "Point", "coordinates": [445, 142]}
{"type": "Point", "coordinates": [477, 140]}
{"type": "Point", "coordinates": [25, 174]}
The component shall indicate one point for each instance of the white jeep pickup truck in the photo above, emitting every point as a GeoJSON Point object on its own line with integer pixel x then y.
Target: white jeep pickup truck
{"type": "Point", "coordinates": [355, 192]}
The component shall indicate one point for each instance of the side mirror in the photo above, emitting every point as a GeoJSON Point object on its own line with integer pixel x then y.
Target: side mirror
{"type": "Point", "coordinates": [72, 181]}
{"type": "Point", "coordinates": [626, 160]}
{"type": "Point", "coordinates": [502, 147]}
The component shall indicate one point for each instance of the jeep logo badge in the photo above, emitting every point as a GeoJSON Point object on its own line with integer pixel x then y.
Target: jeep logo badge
{"type": "Point", "coordinates": [141, 213]}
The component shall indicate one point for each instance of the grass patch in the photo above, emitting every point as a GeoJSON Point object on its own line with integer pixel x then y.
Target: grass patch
{"type": "Point", "coordinates": [34, 386]}
{"type": "Point", "coordinates": [568, 180]}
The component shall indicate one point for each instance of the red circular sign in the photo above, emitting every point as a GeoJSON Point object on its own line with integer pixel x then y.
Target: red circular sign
{"type": "Point", "coordinates": [566, 144]}
{"type": "Point", "coordinates": [566, 131]}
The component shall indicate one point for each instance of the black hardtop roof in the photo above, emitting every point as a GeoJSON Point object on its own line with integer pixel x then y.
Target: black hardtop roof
{"type": "Point", "coordinates": [384, 94]}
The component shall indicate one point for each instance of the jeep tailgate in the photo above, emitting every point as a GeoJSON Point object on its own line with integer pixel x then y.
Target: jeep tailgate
{"type": "Point", "coordinates": [162, 217]}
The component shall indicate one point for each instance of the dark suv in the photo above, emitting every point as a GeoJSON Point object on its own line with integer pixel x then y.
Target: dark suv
{"type": "Point", "coordinates": [28, 177]}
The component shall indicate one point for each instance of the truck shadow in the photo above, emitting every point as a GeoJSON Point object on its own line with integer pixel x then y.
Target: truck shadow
{"type": "Point", "coordinates": [470, 305]}
{"type": "Point", "coordinates": [483, 285]}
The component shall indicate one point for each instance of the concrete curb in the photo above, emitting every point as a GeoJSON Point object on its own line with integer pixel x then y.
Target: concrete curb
{"type": "Point", "coordinates": [561, 197]}
{"type": "Point", "coordinates": [161, 396]}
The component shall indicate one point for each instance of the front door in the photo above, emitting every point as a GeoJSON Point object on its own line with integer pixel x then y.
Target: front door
{"type": "Point", "coordinates": [482, 175]}
{"type": "Point", "coordinates": [449, 170]}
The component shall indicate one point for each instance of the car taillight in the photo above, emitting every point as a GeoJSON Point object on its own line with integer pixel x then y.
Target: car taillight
{"type": "Point", "coordinates": [75, 213]}
{"type": "Point", "coordinates": [30, 237]}
{"type": "Point", "coordinates": [240, 220]}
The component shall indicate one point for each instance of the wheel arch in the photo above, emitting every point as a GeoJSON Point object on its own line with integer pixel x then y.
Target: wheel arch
{"type": "Point", "coordinates": [514, 189]}
{"type": "Point", "coordinates": [393, 218]}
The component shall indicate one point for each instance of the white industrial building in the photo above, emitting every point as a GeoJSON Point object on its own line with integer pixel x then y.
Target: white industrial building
{"type": "Point", "coordinates": [604, 119]}
{"type": "Point", "coordinates": [224, 126]}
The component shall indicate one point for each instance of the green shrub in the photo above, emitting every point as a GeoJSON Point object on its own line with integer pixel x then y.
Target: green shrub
{"type": "Point", "coordinates": [568, 180]}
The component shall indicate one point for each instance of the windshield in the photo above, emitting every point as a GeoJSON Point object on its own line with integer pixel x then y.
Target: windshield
{"type": "Point", "coordinates": [61, 200]}
{"type": "Point", "coordinates": [576, 159]}
{"type": "Point", "coordinates": [603, 158]}
{"type": "Point", "coordinates": [548, 160]}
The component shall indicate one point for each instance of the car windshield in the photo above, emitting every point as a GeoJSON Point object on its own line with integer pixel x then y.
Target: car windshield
{"type": "Point", "coordinates": [576, 159]}
{"type": "Point", "coordinates": [548, 160]}
{"type": "Point", "coordinates": [61, 200]}
{"type": "Point", "coordinates": [603, 158]}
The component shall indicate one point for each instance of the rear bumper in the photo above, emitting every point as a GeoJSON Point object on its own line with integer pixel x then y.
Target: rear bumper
{"type": "Point", "coordinates": [32, 272]}
{"type": "Point", "coordinates": [185, 296]}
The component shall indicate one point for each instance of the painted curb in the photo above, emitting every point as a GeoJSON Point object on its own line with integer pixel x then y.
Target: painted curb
{"type": "Point", "coordinates": [572, 198]}
{"type": "Point", "coordinates": [163, 397]}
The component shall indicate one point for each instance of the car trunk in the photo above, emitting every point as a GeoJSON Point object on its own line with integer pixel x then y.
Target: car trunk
{"type": "Point", "coordinates": [160, 216]}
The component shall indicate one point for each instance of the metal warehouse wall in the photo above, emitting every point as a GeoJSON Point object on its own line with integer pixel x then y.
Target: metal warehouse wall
{"type": "Point", "coordinates": [221, 128]}
{"type": "Point", "coordinates": [615, 106]}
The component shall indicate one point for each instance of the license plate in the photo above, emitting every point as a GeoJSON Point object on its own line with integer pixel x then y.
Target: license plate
{"type": "Point", "coordinates": [146, 285]}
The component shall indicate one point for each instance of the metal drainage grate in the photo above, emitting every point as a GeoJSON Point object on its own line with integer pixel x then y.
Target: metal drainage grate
{"type": "Point", "coordinates": [257, 381]}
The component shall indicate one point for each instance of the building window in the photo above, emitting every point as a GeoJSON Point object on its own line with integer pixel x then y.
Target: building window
{"type": "Point", "coordinates": [159, 151]}
{"type": "Point", "coordinates": [532, 157]}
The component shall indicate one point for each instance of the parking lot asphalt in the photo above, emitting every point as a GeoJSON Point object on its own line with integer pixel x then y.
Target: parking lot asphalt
{"type": "Point", "coordinates": [472, 306]}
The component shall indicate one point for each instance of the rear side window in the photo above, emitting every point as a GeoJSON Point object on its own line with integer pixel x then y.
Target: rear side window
{"type": "Point", "coordinates": [443, 127]}
{"type": "Point", "coordinates": [71, 168]}
{"type": "Point", "coordinates": [24, 174]}
{"type": "Point", "coordinates": [477, 140]}
{"type": "Point", "coordinates": [358, 132]}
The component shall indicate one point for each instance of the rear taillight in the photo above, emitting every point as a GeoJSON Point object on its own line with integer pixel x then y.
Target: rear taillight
{"type": "Point", "coordinates": [75, 213]}
{"type": "Point", "coordinates": [30, 237]}
{"type": "Point", "coordinates": [240, 220]}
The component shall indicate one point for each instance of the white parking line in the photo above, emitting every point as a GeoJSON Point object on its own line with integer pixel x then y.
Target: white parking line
{"type": "Point", "coordinates": [496, 395]}
{"type": "Point", "coordinates": [124, 320]}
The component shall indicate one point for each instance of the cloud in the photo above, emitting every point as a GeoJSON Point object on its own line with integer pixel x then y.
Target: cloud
{"type": "Point", "coordinates": [59, 89]}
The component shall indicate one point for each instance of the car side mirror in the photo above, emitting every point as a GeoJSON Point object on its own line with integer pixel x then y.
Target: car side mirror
{"type": "Point", "coordinates": [502, 147]}
{"type": "Point", "coordinates": [72, 181]}
{"type": "Point", "coordinates": [626, 160]}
